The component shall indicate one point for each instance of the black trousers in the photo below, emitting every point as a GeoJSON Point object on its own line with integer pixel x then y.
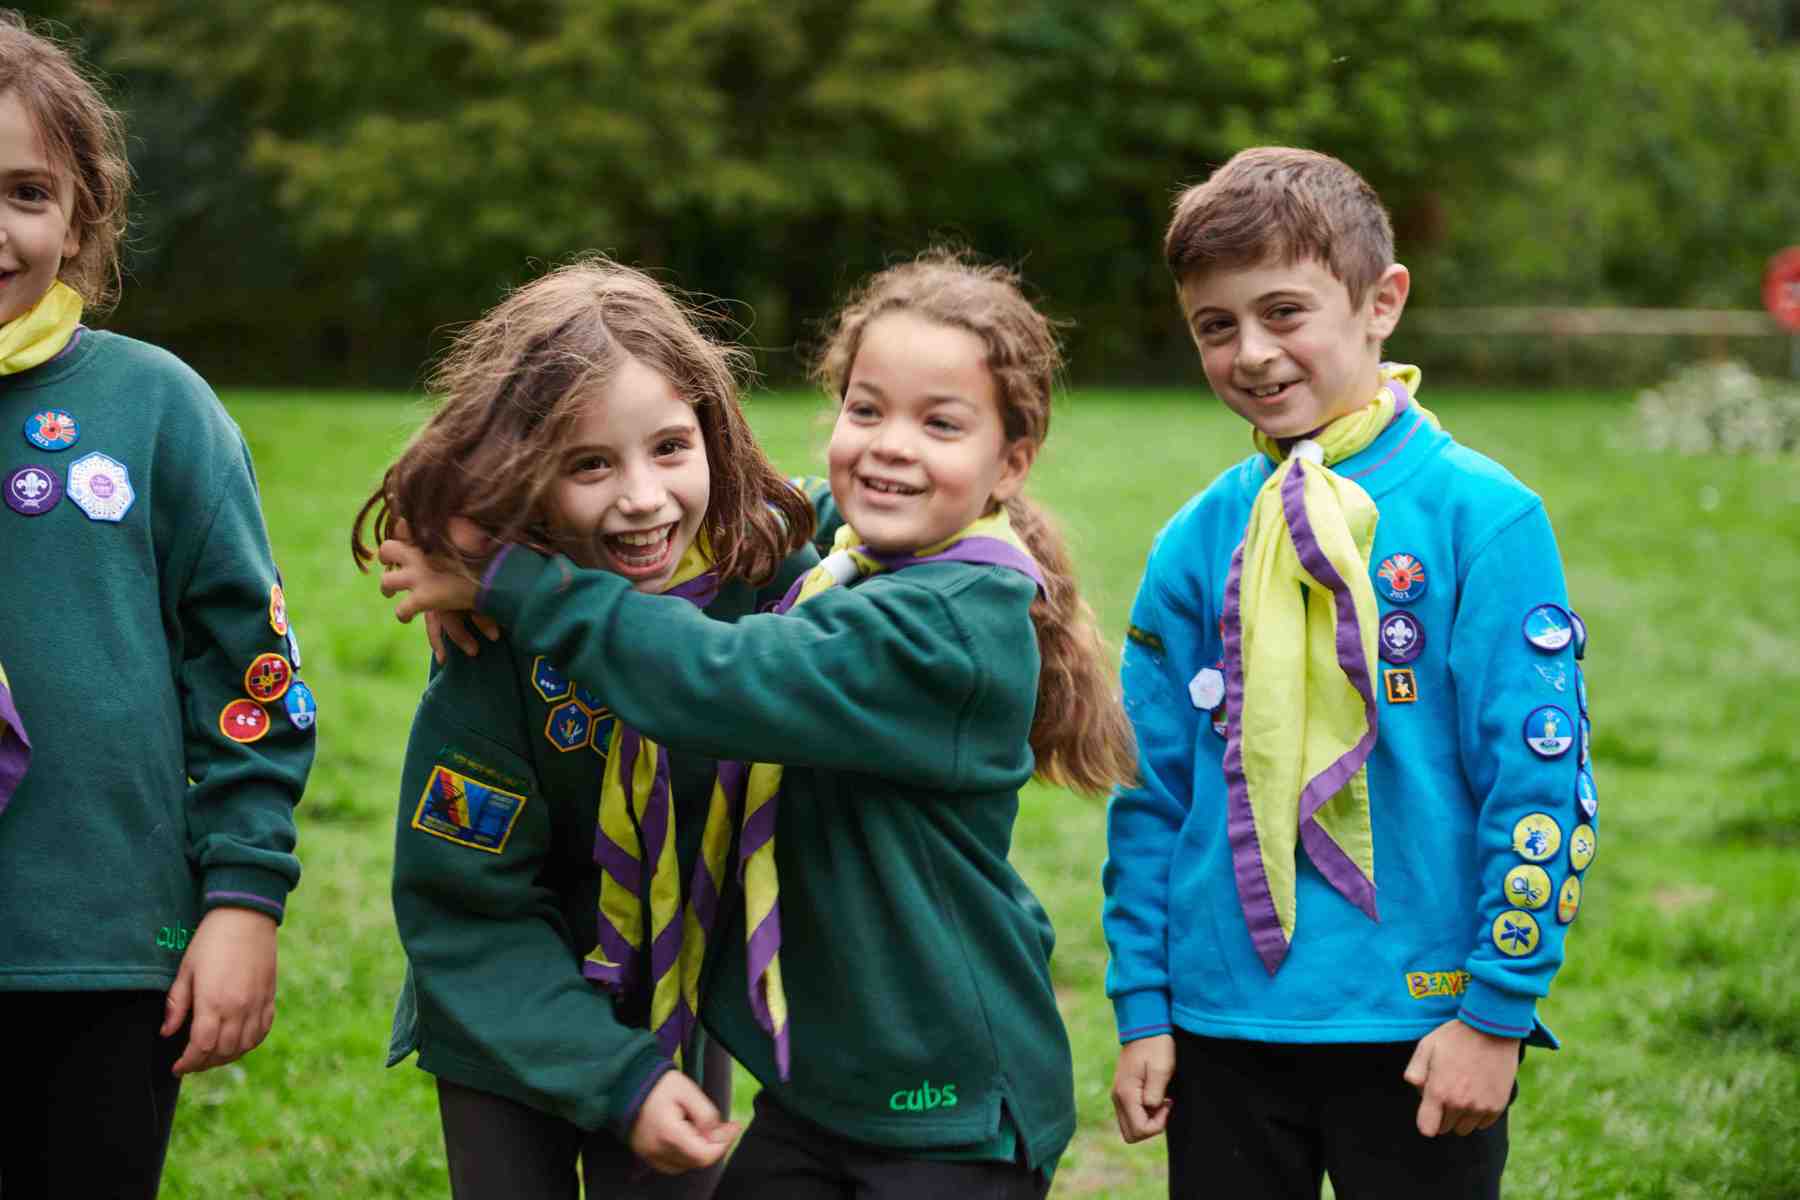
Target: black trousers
{"type": "Point", "coordinates": [500, 1149]}
{"type": "Point", "coordinates": [785, 1157]}
{"type": "Point", "coordinates": [91, 1092]}
{"type": "Point", "coordinates": [1272, 1120]}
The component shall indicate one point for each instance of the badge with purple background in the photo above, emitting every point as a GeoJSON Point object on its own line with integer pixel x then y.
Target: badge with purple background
{"type": "Point", "coordinates": [32, 490]}
{"type": "Point", "coordinates": [1402, 637]}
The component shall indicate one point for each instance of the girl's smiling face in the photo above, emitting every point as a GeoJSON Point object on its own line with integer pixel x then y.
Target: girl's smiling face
{"type": "Point", "coordinates": [633, 487]}
{"type": "Point", "coordinates": [919, 451]}
{"type": "Point", "coordinates": [36, 202]}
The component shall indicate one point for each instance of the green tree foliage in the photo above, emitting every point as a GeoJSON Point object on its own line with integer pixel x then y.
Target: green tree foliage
{"type": "Point", "coordinates": [381, 168]}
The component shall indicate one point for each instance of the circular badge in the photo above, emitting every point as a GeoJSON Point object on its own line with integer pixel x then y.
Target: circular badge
{"type": "Point", "coordinates": [1516, 933]}
{"type": "Point", "coordinates": [1401, 578]}
{"type": "Point", "coordinates": [1580, 628]}
{"type": "Point", "coordinates": [1402, 637]}
{"type": "Point", "coordinates": [101, 487]}
{"type": "Point", "coordinates": [1207, 688]}
{"type": "Point", "coordinates": [1585, 795]}
{"type": "Point", "coordinates": [1528, 886]}
{"type": "Point", "coordinates": [1537, 837]}
{"type": "Point", "coordinates": [278, 610]}
{"type": "Point", "coordinates": [1781, 288]}
{"type": "Point", "coordinates": [1549, 732]}
{"type": "Point", "coordinates": [1548, 627]}
{"type": "Point", "coordinates": [1568, 899]}
{"type": "Point", "coordinates": [243, 721]}
{"type": "Point", "coordinates": [1587, 732]}
{"type": "Point", "coordinates": [293, 646]}
{"type": "Point", "coordinates": [302, 709]}
{"type": "Point", "coordinates": [1581, 690]}
{"type": "Point", "coordinates": [1582, 846]}
{"type": "Point", "coordinates": [52, 429]}
{"type": "Point", "coordinates": [32, 490]}
{"type": "Point", "coordinates": [1221, 721]}
{"type": "Point", "coordinates": [267, 678]}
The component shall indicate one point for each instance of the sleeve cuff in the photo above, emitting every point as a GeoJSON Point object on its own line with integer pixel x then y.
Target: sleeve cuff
{"type": "Point", "coordinates": [1503, 1014]}
{"type": "Point", "coordinates": [1142, 1014]}
{"type": "Point", "coordinates": [635, 1082]}
{"type": "Point", "coordinates": [246, 887]}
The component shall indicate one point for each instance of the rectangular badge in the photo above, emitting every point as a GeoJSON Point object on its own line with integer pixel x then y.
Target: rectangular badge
{"type": "Point", "coordinates": [461, 810]}
{"type": "Point", "coordinates": [1402, 686]}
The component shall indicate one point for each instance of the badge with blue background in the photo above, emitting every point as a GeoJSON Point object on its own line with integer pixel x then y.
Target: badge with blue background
{"type": "Point", "coordinates": [1585, 795]}
{"type": "Point", "coordinates": [302, 709]}
{"type": "Point", "coordinates": [462, 810]}
{"type": "Point", "coordinates": [1547, 627]}
{"type": "Point", "coordinates": [52, 429]}
{"type": "Point", "coordinates": [1401, 578]}
{"type": "Point", "coordinates": [568, 726]}
{"type": "Point", "coordinates": [550, 683]}
{"type": "Point", "coordinates": [1549, 732]}
{"type": "Point", "coordinates": [1580, 627]}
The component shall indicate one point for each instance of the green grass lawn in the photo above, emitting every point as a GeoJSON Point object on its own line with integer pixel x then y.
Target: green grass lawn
{"type": "Point", "coordinates": [1678, 1009]}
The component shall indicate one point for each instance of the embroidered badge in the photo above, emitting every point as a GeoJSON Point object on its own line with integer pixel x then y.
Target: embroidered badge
{"type": "Point", "coordinates": [1401, 578]}
{"type": "Point", "coordinates": [267, 678]}
{"type": "Point", "coordinates": [550, 683]}
{"type": "Point", "coordinates": [1580, 628]}
{"type": "Point", "coordinates": [278, 610]}
{"type": "Point", "coordinates": [1420, 984]}
{"type": "Point", "coordinates": [1547, 627]}
{"type": "Point", "coordinates": [293, 647]}
{"type": "Point", "coordinates": [486, 773]}
{"type": "Point", "coordinates": [302, 709]}
{"type": "Point", "coordinates": [1402, 687]}
{"type": "Point", "coordinates": [469, 813]}
{"type": "Point", "coordinates": [243, 720]}
{"type": "Point", "coordinates": [1221, 721]}
{"type": "Point", "coordinates": [1143, 637]}
{"type": "Point", "coordinates": [602, 737]}
{"type": "Point", "coordinates": [32, 490]}
{"type": "Point", "coordinates": [1516, 933]}
{"type": "Point", "coordinates": [1581, 690]}
{"type": "Point", "coordinates": [591, 702]}
{"type": "Point", "coordinates": [1402, 637]}
{"type": "Point", "coordinates": [1207, 688]}
{"type": "Point", "coordinates": [1549, 732]}
{"type": "Point", "coordinates": [1587, 733]}
{"type": "Point", "coordinates": [1537, 837]}
{"type": "Point", "coordinates": [1585, 795]}
{"type": "Point", "coordinates": [1528, 886]}
{"type": "Point", "coordinates": [568, 726]}
{"type": "Point", "coordinates": [1582, 844]}
{"type": "Point", "coordinates": [1553, 674]}
{"type": "Point", "coordinates": [101, 487]}
{"type": "Point", "coordinates": [52, 429]}
{"type": "Point", "coordinates": [1568, 899]}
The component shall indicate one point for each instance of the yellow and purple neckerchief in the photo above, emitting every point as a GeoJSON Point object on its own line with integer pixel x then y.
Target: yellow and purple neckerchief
{"type": "Point", "coordinates": [1299, 676]}
{"type": "Point", "coordinates": [15, 747]}
{"type": "Point", "coordinates": [634, 844]}
{"type": "Point", "coordinates": [39, 335]}
{"type": "Point", "coordinates": [989, 541]}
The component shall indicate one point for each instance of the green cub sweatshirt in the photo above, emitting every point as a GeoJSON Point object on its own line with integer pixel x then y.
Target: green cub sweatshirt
{"type": "Point", "coordinates": [147, 638]}
{"type": "Point", "coordinates": [495, 888]}
{"type": "Point", "coordinates": [915, 959]}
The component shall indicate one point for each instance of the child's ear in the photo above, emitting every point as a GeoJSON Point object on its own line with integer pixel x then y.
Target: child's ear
{"type": "Point", "coordinates": [1016, 458]}
{"type": "Point", "coordinates": [71, 242]}
{"type": "Point", "coordinates": [1386, 300]}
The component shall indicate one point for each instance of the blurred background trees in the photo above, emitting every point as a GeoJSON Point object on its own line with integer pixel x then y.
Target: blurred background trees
{"type": "Point", "coordinates": [326, 184]}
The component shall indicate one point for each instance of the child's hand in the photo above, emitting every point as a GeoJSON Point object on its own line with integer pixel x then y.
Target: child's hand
{"type": "Point", "coordinates": [227, 981]}
{"type": "Point", "coordinates": [429, 585]}
{"type": "Point", "coordinates": [678, 1129]}
{"type": "Point", "coordinates": [1464, 1077]}
{"type": "Point", "coordinates": [1141, 1084]}
{"type": "Point", "coordinates": [458, 628]}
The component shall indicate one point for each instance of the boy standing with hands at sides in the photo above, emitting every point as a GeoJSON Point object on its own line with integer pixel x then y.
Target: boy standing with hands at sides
{"type": "Point", "coordinates": [1365, 805]}
{"type": "Point", "coordinates": [148, 849]}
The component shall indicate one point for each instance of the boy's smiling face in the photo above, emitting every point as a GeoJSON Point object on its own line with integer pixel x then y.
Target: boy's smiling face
{"type": "Point", "coordinates": [1283, 347]}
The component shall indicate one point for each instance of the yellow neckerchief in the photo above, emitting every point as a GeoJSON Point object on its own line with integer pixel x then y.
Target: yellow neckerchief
{"type": "Point", "coordinates": [15, 747]}
{"type": "Point", "coordinates": [1300, 629]}
{"type": "Point", "coordinates": [989, 540]}
{"type": "Point", "coordinates": [39, 335]}
{"type": "Point", "coordinates": [637, 828]}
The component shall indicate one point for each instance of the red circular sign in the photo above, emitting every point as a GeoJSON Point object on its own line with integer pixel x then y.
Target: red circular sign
{"type": "Point", "coordinates": [1781, 288]}
{"type": "Point", "coordinates": [243, 721]}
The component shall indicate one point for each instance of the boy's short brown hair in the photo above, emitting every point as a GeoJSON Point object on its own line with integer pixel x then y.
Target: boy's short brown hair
{"type": "Point", "coordinates": [1276, 203]}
